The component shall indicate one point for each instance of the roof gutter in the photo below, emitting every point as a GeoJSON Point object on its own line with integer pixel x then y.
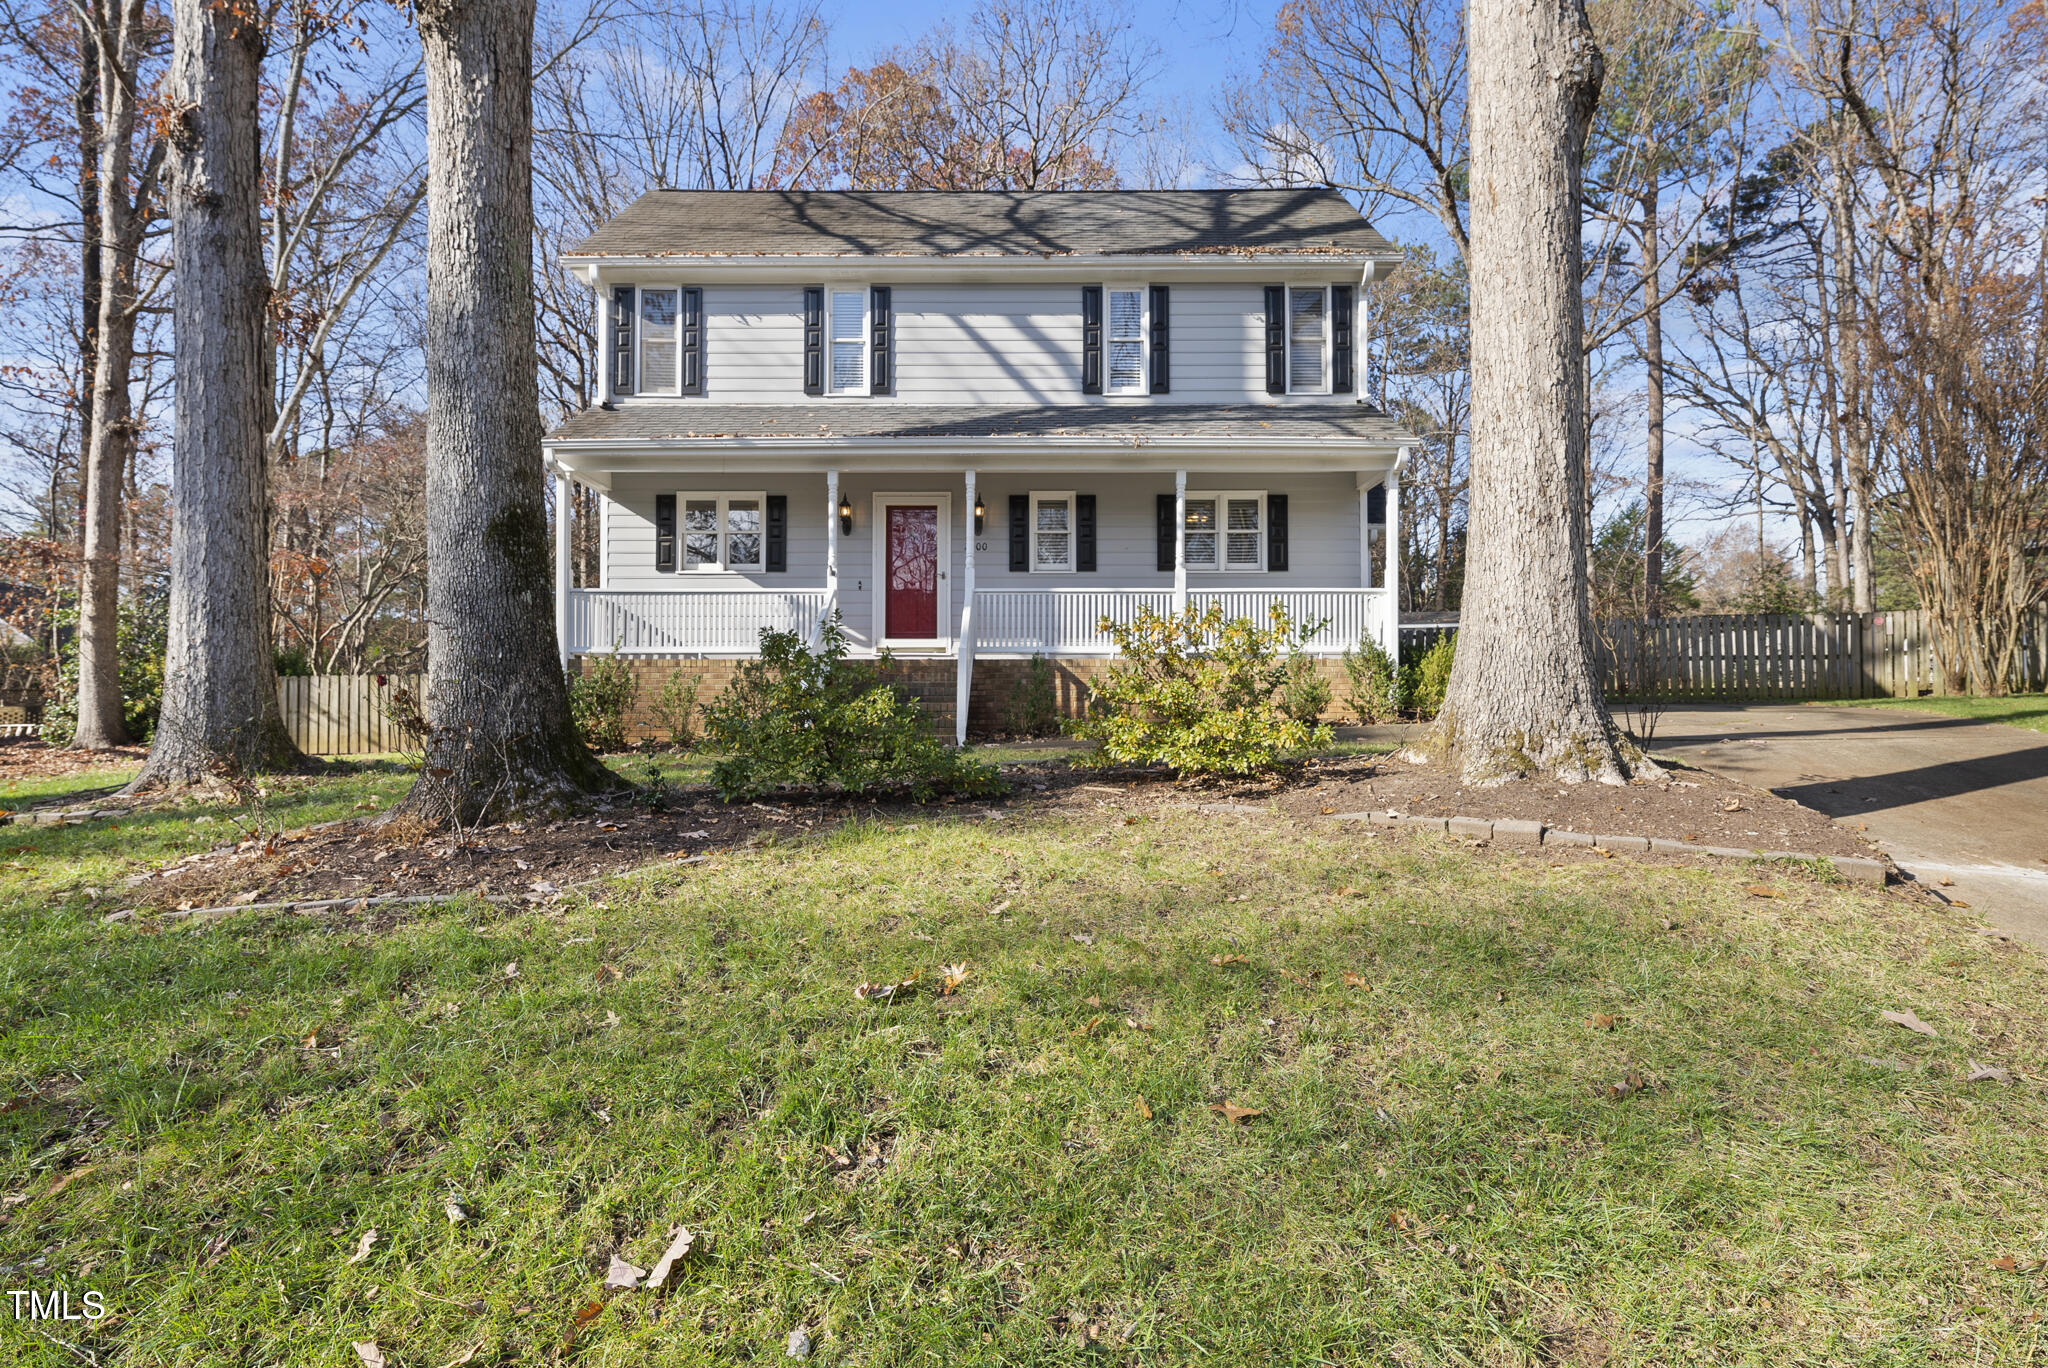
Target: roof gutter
{"type": "Point", "coordinates": [1038, 266]}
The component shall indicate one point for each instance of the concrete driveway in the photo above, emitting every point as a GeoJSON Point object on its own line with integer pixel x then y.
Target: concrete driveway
{"type": "Point", "coordinates": [1945, 797]}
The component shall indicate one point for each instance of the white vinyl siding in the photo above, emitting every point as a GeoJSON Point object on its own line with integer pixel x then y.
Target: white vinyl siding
{"type": "Point", "coordinates": [659, 352]}
{"type": "Point", "coordinates": [846, 316]}
{"type": "Point", "coordinates": [1227, 530]}
{"type": "Point", "coordinates": [1125, 342]}
{"type": "Point", "coordinates": [1308, 329]}
{"type": "Point", "coordinates": [1052, 532]}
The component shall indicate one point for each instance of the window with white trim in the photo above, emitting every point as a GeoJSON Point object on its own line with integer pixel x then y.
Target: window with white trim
{"type": "Point", "coordinates": [660, 341]}
{"type": "Point", "coordinates": [1052, 532]}
{"type": "Point", "coordinates": [846, 345]}
{"type": "Point", "coordinates": [1125, 340]}
{"type": "Point", "coordinates": [1226, 530]}
{"type": "Point", "coordinates": [1308, 340]}
{"type": "Point", "coordinates": [722, 531]}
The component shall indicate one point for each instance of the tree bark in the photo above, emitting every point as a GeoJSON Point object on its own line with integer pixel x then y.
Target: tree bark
{"type": "Point", "coordinates": [1524, 697]}
{"type": "Point", "coordinates": [499, 739]}
{"type": "Point", "coordinates": [1653, 437]}
{"type": "Point", "coordinates": [220, 715]}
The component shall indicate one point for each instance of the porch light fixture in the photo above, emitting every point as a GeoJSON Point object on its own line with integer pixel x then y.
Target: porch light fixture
{"type": "Point", "coordinates": [980, 515]}
{"type": "Point", "coordinates": [845, 516]}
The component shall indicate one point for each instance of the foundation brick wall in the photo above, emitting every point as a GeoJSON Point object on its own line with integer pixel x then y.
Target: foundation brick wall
{"type": "Point", "coordinates": [930, 682]}
{"type": "Point", "coordinates": [996, 682]}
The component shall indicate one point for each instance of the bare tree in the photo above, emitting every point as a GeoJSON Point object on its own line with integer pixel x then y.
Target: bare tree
{"type": "Point", "coordinates": [500, 739]}
{"type": "Point", "coordinates": [1524, 696]}
{"type": "Point", "coordinates": [220, 712]}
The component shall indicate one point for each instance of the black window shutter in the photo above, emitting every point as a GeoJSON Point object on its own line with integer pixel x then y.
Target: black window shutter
{"type": "Point", "coordinates": [665, 532]}
{"type": "Point", "coordinates": [1376, 505]}
{"type": "Point", "coordinates": [814, 340]}
{"type": "Point", "coordinates": [777, 559]}
{"type": "Point", "coordinates": [1276, 339]}
{"type": "Point", "coordinates": [693, 341]}
{"type": "Point", "coordinates": [1276, 531]}
{"type": "Point", "coordinates": [882, 330]}
{"type": "Point", "coordinates": [1084, 532]}
{"type": "Point", "coordinates": [1162, 330]}
{"type": "Point", "coordinates": [1167, 506]}
{"type": "Point", "coordinates": [1340, 339]}
{"type": "Point", "coordinates": [1091, 339]}
{"type": "Point", "coordinates": [1020, 532]}
{"type": "Point", "coordinates": [622, 339]}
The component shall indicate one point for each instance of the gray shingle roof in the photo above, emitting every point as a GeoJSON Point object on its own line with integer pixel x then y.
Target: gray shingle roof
{"type": "Point", "coordinates": [866, 419]}
{"type": "Point", "coordinates": [993, 223]}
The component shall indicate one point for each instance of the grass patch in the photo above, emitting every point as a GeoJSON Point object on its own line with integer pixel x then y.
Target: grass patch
{"type": "Point", "coordinates": [2017, 710]}
{"type": "Point", "coordinates": [204, 1123]}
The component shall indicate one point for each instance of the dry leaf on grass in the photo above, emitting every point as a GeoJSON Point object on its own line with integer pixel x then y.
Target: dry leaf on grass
{"type": "Point", "coordinates": [2006, 1264]}
{"type": "Point", "coordinates": [951, 976]}
{"type": "Point", "coordinates": [1226, 959]}
{"type": "Point", "coordinates": [1233, 1113]}
{"type": "Point", "coordinates": [465, 1356]}
{"type": "Point", "coordinates": [623, 1275]}
{"type": "Point", "coordinates": [511, 970]}
{"type": "Point", "coordinates": [364, 1245]}
{"type": "Point", "coordinates": [1602, 1021]}
{"type": "Point", "coordinates": [1762, 891]}
{"type": "Point", "coordinates": [455, 1211]}
{"type": "Point", "coordinates": [1084, 937]}
{"type": "Point", "coordinates": [68, 1179]}
{"type": "Point", "coordinates": [1092, 1000]}
{"type": "Point", "coordinates": [1352, 980]}
{"type": "Point", "coordinates": [1984, 1073]}
{"type": "Point", "coordinates": [1399, 1219]}
{"type": "Point", "coordinates": [1911, 1022]}
{"type": "Point", "coordinates": [677, 1251]}
{"type": "Point", "coordinates": [1632, 1083]}
{"type": "Point", "coordinates": [1089, 1029]}
{"type": "Point", "coordinates": [1000, 908]}
{"type": "Point", "coordinates": [590, 1312]}
{"type": "Point", "coordinates": [369, 1353]}
{"type": "Point", "coordinates": [883, 992]}
{"type": "Point", "coordinates": [1144, 1111]}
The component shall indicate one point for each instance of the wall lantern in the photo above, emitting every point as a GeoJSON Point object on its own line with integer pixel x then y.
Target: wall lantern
{"type": "Point", "coordinates": [845, 515]}
{"type": "Point", "coordinates": [980, 515]}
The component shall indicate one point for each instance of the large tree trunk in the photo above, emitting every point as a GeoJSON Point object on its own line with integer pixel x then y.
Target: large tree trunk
{"type": "Point", "coordinates": [220, 714]}
{"type": "Point", "coordinates": [1653, 437]}
{"type": "Point", "coordinates": [1524, 697]}
{"type": "Point", "coordinates": [499, 739]}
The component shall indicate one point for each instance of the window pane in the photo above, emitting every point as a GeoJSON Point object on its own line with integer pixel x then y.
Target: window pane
{"type": "Point", "coordinates": [1052, 515]}
{"type": "Point", "coordinates": [743, 532]}
{"type": "Point", "coordinates": [700, 532]}
{"type": "Point", "coordinates": [1305, 340]}
{"type": "Point", "coordinates": [1055, 541]}
{"type": "Point", "coordinates": [1126, 313]}
{"type": "Point", "coordinates": [846, 365]}
{"type": "Point", "coordinates": [1242, 537]}
{"type": "Point", "coordinates": [849, 308]}
{"type": "Point", "coordinates": [1126, 365]}
{"type": "Point", "coordinates": [1052, 550]}
{"type": "Point", "coordinates": [658, 340]}
{"type": "Point", "coordinates": [1201, 533]}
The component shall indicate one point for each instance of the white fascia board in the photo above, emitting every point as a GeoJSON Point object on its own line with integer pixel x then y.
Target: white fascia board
{"type": "Point", "coordinates": [1086, 269]}
{"type": "Point", "coordinates": [734, 455]}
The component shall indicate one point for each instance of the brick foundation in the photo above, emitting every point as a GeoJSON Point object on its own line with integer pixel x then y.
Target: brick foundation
{"type": "Point", "coordinates": [930, 681]}
{"type": "Point", "coordinates": [995, 684]}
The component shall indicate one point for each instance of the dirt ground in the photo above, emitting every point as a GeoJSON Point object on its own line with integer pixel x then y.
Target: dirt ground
{"type": "Point", "coordinates": [25, 759]}
{"type": "Point", "coordinates": [536, 862]}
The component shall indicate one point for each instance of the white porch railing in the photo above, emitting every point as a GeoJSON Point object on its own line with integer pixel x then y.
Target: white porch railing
{"type": "Point", "coordinates": [1065, 621]}
{"type": "Point", "coordinates": [686, 622]}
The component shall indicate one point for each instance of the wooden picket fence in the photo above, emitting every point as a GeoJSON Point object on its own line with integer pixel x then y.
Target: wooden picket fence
{"type": "Point", "coordinates": [1792, 655]}
{"type": "Point", "coordinates": [345, 714]}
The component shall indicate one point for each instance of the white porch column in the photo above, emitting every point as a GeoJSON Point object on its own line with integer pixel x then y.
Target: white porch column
{"type": "Point", "coordinates": [963, 667]}
{"type": "Point", "coordinates": [831, 547]}
{"type": "Point", "coordinates": [1180, 541]}
{"type": "Point", "coordinates": [1394, 556]}
{"type": "Point", "coordinates": [564, 580]}
{"type": "Point", "coordinates": [1364, 530]}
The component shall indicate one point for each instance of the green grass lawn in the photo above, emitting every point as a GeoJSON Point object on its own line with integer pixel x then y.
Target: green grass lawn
{"type": "Point", "coordinates": [206, 1123]}
{"type": "Point", "coordinates": [2019, 710]}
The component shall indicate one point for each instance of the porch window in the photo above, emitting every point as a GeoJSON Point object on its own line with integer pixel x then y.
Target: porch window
{"type": "Point", "coordinates": [1227, 530]}
{"type": "Point", "coordinates": [1308, 340]}
{"type": "Point", "coordinates": [846, 316]}
{"type": "Point", "coordinates": [722, 531]}
{"type": "Point", "coordinates": [658, 342]}
{"type": "Point", "coordinates": [1126, 342]}
{"type": "Point", "coordinates": [1052, 532]}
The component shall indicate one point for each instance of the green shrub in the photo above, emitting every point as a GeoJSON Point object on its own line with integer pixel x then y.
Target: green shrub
{"type": "Point", "coordinates": [814, 719]}
{"type": "Point", "coordinates": [600, 696]}
{"type": "Point", "coordinates": [1034, 705]}
{"type": "Point", "coordinates": [674, 709]}
{"type": "Point", "coordinates": [1305, 695]}
{"type": "Point", "coordinates": [291, 661]}
{"type": "Point", "coordinates": [1373, 694]}
{"type": "Point", "coordinates": [1431, 676]}
{"type": "Point", "coordinates": [141, 641]}
{"type": "Point", "coordinates": [1198, 692]}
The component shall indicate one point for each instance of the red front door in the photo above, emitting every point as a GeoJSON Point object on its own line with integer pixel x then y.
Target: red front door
{"type": "Point", "coordinates": [912, 609]}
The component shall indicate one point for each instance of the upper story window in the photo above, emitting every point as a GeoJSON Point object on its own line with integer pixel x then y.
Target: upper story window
{"type": "Point", "coordinates": [1226, 530]}
{"type": "Point", "coordinates": [1126, 342]}
{"type": "Point", "coordinates": [658, 353]}
{"type": "Point", "coordinates": [657, 340]}
{"type": "Point", "coordinates": [722, 531]}
{"type": "Point", "coordinates": [846, 313]}
{"type": "Point", "coordinates": [1308, 340]}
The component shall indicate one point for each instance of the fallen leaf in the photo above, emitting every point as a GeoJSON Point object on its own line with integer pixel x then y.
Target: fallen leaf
{"type": "Point", "coordinates": [883, 992]}
{"type": "Point", "coordinates": [677, 1251]}
{"type": "Point", "coordinates": [1398, 1218]}
{"type": "Point", "coordinates": [2007, 1264]}
{"type": "Point", "coordinates": [951, 976]}
{"type": "Point", "coordinates": [1632, 1083]}
{"type": "Point", "coordinates": [455, 1212]}
{"type": "Point", "coordinates": [621, 1274]}
{"type": "Point", "coordinates": [1602, 1021]}
{"type": "Point", "coordinates": [1762, 891]}
{"type": "Point", "coordinates": [363, 1246]}
{"type": "Point", "coordinates": [369, 1353]}
{"type": "Point", "coordinates": [466, 1355]}
{"type": "Point", "coordinates": [1089, 1029]}
{"type": "Point", "coordinates": [1957, 902]}
{"type": "Point", "coordinates": [1137, 1025]}
{"type": "Point", "coordinates": [1234, 1113]}
{"type": "Point", "coordinates": [68, 1179]}
{"type": "Point", "coordinates": [1946, 882]}
{"type": "Point", "coordinates": [511, 970]}
{"type": "Point", "coordinates": [798, 1346]}
{"type": "Point", "coordinates": [1347, 891]}
{"type": "Point", "coordinates": [611, 1018]}
{"type": "Point", "coordinates": [216, 1249]}
{"type": "Point", "coordinates": [1352, 980]}
{"type": "Point", "coordinates": [590, 1312]}
{"type": "Point", "coordinates": [1144, 1112]}
{"type": "Point", "coordinates": [1000, 908]}
{"type": "Point", "coordinates": [1226, 959]}
{"type": "Point", "coordinates": [1084, 937]}
{"type": "Point", "coordinates": [1911, 1022]}
{"type": "Point", "coordinates": [1984, 1073]}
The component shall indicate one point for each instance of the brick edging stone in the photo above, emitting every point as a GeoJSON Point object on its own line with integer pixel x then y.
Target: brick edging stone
{"type": "Point", "coordinates": [1855, 867]}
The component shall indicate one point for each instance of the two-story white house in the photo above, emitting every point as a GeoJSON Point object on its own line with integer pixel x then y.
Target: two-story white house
{"type": "Point", "coordinates": [974, 424]}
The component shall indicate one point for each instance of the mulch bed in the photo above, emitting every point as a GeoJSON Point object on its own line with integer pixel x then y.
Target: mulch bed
{"type": "Point", "coordinates": [358, 859]}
